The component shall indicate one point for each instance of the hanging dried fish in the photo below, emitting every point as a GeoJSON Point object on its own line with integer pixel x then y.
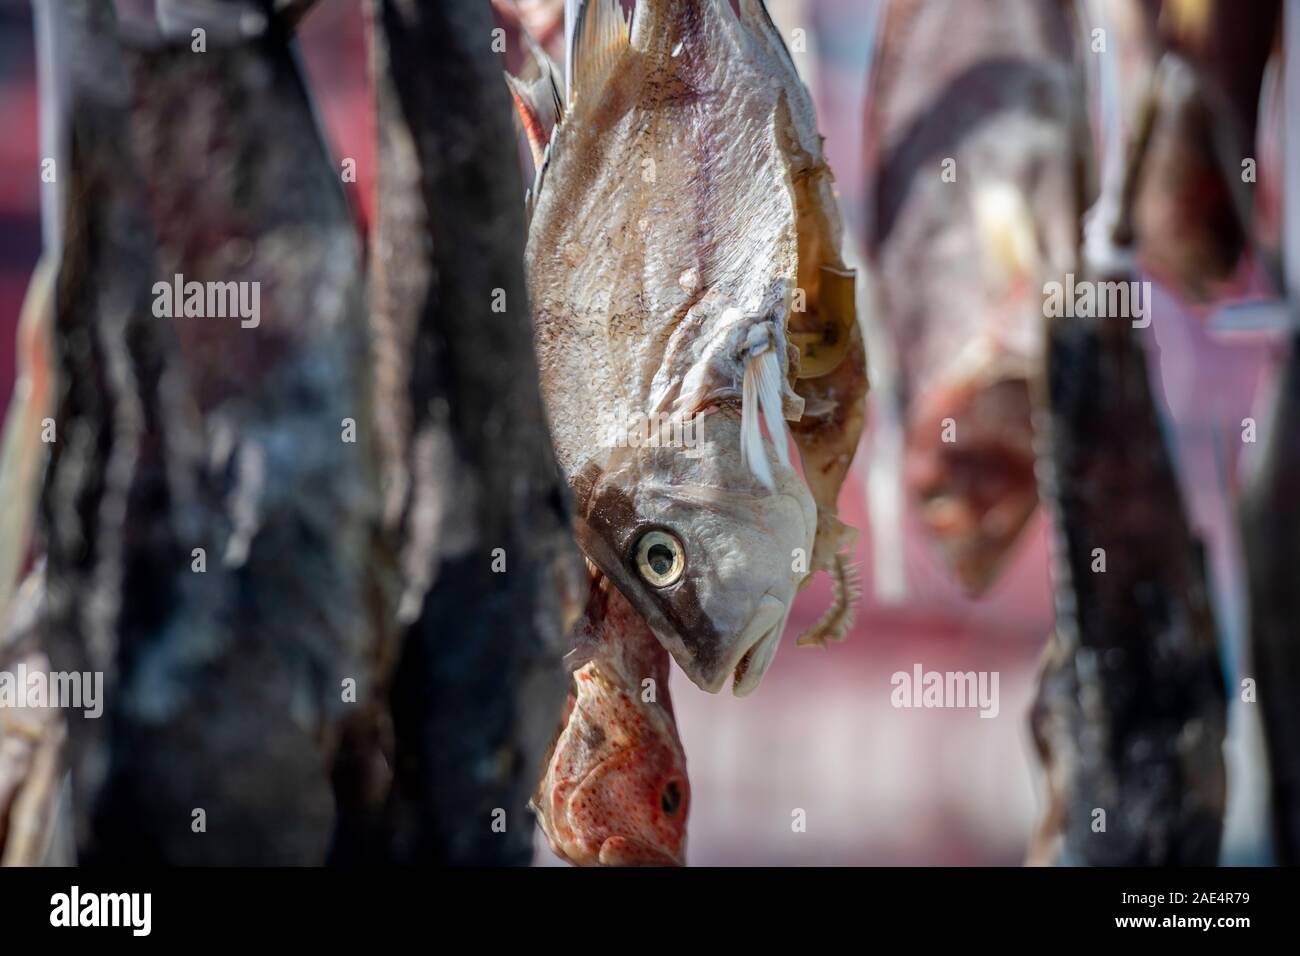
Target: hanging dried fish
{"type": "Point", "coordinates": [208, 519]}
{"type": "Point", "coordinates": [614, 790]}
{"type": "Point", "coordinates": [1130, 715]}
{"type": "Point", "coordinates": [1192, 71]}
{"type": "Point", "coordinates": [491, 578]}
{"type": "Point", "coordinates": [973, 196]}
{"type": "Point", "coordinates": [683, 257]}
{"type": "Point", "coordinates": [1272, 549]}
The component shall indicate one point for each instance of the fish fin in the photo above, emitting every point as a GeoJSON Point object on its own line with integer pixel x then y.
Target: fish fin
{"type": "Point", "coordinates": [761, 398]}
{"type": "Point", "coordinates": [571, 9]}
{"type": "Point", "coordinates": [835, 539]}
{"type": "Point", "coordinates": [530, 196]}
{"type": "Point", "coordinates": [827, 443]}
{"type": "Point", "coordinates": [601, 35]}
{"type": "Point", "coordinates": [772, 401]}
{"type": "Point", "coordinates": [754, 14]}
{"type": "Point", "coordinates": [539, 99]}
{"type": "Point", "coordinates": [836, 623]}
{"type": "Point", "coordinates": [529, 117]}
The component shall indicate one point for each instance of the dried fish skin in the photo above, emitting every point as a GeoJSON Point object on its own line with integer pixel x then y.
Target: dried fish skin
{"type": "Point", "coordinates": [1267, 515]}
{"type": "Point", "coordinates": [224, 666]}
{"type": "Point", "coordinates": [680, 205]}
{"type": "Point", "coordinates": [614, 790]}
{"type": "Point", "coordinates": [491, 578]}
{"type": "Point", "coordinates": [1130, 715]}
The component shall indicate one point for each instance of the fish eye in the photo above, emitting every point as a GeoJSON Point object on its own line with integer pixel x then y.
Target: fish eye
{"type": "Point", "coordinates": [671, 798]}
{"type": "Point", "coordinates": [660, 558]}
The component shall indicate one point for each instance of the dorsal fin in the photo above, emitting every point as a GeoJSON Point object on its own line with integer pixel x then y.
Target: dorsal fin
{"type": "Point", "coordinates": [597, 40]}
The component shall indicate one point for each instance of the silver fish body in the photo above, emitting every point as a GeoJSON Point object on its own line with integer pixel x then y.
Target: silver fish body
{"type": "Point", "coordinates": [680, 222]}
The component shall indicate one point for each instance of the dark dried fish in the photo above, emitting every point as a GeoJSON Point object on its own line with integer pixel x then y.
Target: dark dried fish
{"type": "Point", "coordinates": [1272, 549]}
{"type": "Point", "coordinates": [471, 482]}
{"type": "Point", "coordinates": [224, 683]}
{"type": "Point", "coordinates": [1130, 715]}
{"type": "Point", "coordinates": [1193, 72]}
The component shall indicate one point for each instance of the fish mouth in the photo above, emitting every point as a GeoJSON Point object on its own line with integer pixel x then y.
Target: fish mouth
{"type": "Point", "coordinates": [976, 549]}
{"type": "Point", "coordinates": [627, 851]}
{"type": "Point", "coordinates": [757, 645]}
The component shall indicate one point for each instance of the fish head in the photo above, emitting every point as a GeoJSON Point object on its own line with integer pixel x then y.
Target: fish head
{"type": "Point", "coordinates": [709, 555]}
{"type": "Point", "coordinates": [615, 790]}
{"type": "Point", "coordinates": [969, 464]}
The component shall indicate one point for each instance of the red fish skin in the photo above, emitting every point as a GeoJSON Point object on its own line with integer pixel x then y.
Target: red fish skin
{"type": "Point", "coordinates": [615, 790]}
{"type": "Point", "coordinates": [975, 495]}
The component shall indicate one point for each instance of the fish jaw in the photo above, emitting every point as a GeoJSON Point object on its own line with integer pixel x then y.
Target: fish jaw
{"type": "Point", "coordinates": [620, 851]}
{"type": "Point", "coordinates": [758, 644]}
{"type": "Point", "coordinates": [615, 791]}
{"type": "Point", "coordinates": [977, 492]}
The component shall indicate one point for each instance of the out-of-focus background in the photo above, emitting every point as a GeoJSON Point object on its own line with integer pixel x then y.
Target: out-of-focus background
{"type": "Point", "coordinates": [877, 784]}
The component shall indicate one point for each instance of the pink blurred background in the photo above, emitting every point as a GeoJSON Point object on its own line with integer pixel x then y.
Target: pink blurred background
{"type": "Point", "coordinates": [878, 785]}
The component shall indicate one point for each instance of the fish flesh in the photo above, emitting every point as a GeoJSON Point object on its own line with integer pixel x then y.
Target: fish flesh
{"type": "Point", "coordinates": [614, 791]}
{"type": "Point", "coordinates": [688, 292]}
{"type": "Point", "coordinates": [1188, 76]}
{"type": "Point", "coordinates": [971, 193]}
